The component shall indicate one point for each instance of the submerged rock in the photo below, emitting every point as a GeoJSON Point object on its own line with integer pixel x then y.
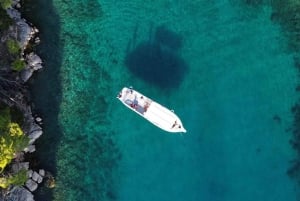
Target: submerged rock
{"type": "Point", "coordinates": [50, 181]}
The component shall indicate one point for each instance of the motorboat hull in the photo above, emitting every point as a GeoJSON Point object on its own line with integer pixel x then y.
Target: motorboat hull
{"type": "Point", "coordinates": [152, 111]}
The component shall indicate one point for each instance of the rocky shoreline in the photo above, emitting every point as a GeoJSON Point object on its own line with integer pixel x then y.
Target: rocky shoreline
{"type": "Point", "coordinates": [25, 34]}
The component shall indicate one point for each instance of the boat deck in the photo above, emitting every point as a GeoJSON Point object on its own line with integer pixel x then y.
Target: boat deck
{"type": "Point", "coordinates": [136, 101]}
{"type": "Point", "coordinates": [152, 111]}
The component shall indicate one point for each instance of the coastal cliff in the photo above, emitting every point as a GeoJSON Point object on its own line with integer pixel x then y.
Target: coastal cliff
{"type": "Point", "coordinates": [18, 63]}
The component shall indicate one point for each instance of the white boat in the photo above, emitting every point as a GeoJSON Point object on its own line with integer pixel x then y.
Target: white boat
{"type": "Point", "coordinates": [157, 114]}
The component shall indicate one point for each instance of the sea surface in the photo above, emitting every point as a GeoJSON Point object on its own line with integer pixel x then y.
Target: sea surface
{"type": "Point", "coordinates": [222, 65]}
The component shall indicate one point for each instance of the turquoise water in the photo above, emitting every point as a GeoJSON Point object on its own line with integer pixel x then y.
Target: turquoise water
{"type": "Point", "coordinates": [221, 65]}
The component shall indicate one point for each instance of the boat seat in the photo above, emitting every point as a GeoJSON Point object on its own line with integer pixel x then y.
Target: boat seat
{"type": "Point", "coordinates": [140, 109]}
{"type": "Point", "coordinates": [128, 101]}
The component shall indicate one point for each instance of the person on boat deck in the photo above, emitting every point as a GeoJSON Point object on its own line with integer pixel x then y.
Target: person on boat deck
{"type": "Point", "coordinates": [175, 123]}
{"type": "Point", "coordinates": [134, 104]}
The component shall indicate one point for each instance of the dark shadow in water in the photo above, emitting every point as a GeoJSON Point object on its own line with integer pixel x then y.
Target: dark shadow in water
{"type": "Point", "coordinates": [157, 61]}
{"type": "Point", "coordinates": [168, 38]}
{"type": "Point", "coordinates": [45, 86]}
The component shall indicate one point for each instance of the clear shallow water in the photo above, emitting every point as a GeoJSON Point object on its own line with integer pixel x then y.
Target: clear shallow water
{"type": "Point", "coordinates": [220, 65]}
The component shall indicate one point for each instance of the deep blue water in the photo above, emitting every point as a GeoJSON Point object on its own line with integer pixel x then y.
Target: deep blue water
{"type": "Point", "coordinates": [221, 65]}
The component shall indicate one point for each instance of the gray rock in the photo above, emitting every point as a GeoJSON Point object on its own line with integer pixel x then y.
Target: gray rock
{"type": "Point", "coordinates": [26, 74]}
{"type": "Point", "coordinates": [15, 3]}
{"type": "Point", "coordinates": [35, 131]}
{"type": "Point", "coordinates": [16, 167]}
{"type": "Point", "coordinates": [35, 134]}
{"type": "Point", "coordinates": [19, 157]}
{"type": "Point", "coordinates": [34, 61]}
{"type": "Point", "coordinates": [31, 185]}
{"type": "Point", "coordinates": [31, 141]}
{"type": "Point", "coordinates": [36, 177]}
{"type": "Point", "coordinates": [22, 29]}
{"type": "Point", "coordinates": [19, 193]}
{"type": "Point", "coordinates": [37, 40]}
{"type": "Point", "coordinates": [38, 119]}
{"type": "Point", "coordinates": [25, 33]}
{"type": "Point", "coordinates": [42, 172]}
{"type": "Point", "coordinates": [35, 30]}
{"type": "Point", "coordinates": [40, 179]}
{"type": "Point", "coordinates": [29, 173]}
{"type": "Point", "coordinates": [28, 117]}
{"type": "Point", "coordinates": [37, 66]}
{"type": "Point", "coordinates": [34, 127]}
{"type": "Point", "coordinates": [30, 149]}
{"type": "Point", "coordinates": [13, 13]}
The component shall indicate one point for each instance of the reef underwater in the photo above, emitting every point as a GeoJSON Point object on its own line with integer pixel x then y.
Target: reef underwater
{"type": "Point", "coordinates": [287, 14]}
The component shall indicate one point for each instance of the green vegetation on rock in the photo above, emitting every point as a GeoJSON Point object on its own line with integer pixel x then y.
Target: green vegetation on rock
{"type": "Point", "coordinates": [5, 4]}
{"type": "Point", "coordinates": [17, 179]}
{"type": "Point", "coordinates": [4, 118]}
{"type": "Point", "coordinates": [13, 46]}
{"type": "Point", "coordinates": [12, 139]}
{"type": "Point", "coordinates": [18, 65]}
{"type": "Point", "coordinates": [5, 20]}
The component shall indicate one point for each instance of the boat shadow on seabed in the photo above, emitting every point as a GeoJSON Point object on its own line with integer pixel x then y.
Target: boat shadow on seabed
{"type": "Point", "coordinates": [157, 61]}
